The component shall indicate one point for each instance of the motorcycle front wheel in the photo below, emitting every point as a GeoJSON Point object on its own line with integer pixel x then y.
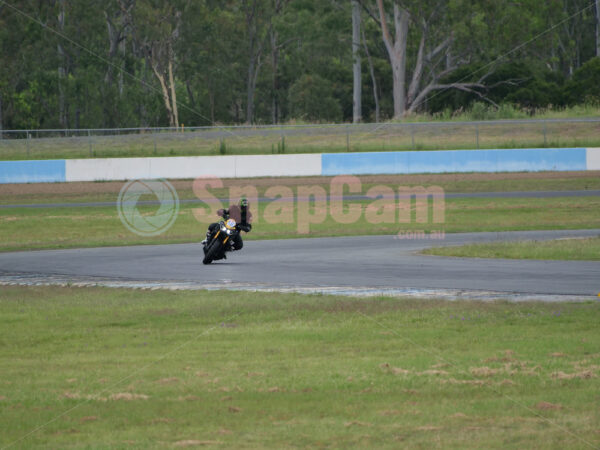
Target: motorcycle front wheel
{"type": "Point", "coordinates": [212, 251]}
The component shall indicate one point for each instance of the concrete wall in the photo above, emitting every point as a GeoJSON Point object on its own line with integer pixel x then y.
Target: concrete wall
{"type": "Point", "coordinates": [194, 166]}
{"type": "Point", "coordinates": [233, 166]}
{"type": "Point", "coordinates": [521, 160]}
{"type": "Point", "coordinates": [593, 158]}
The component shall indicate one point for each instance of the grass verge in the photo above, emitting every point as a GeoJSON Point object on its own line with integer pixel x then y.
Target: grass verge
{"type": "Point", "coordinates": [121, 368]}
{"type": "Point", "coordinates": [559, 249]}
{"type": "Point", "coordinates": [67, 227]}
{"type": "Point", "coordinates": [33, 228]}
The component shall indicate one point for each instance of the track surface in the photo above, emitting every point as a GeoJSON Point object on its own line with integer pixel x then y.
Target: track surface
{"type": "Point", "coordinates": [345, 263]}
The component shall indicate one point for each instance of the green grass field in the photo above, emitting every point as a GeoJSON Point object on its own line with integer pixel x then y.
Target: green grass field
{"type": "Point", "coordinates": [118, 368]}
{"type": "Point", "coordinates": [25, 228]}
{"type": "Point", "coordinates": [99, 368]}
{"type": "Point", "coordinates": [67, 227]}
{"type": "Point", "coordinates": [560, 249]}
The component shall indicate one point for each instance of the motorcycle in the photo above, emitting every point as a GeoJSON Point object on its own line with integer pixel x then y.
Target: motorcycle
{"type": "Point", "coordinates": [221, 242]}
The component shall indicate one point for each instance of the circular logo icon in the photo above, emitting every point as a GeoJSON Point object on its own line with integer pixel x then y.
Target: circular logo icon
{"type": "Point", "coordinates": [137, 204]}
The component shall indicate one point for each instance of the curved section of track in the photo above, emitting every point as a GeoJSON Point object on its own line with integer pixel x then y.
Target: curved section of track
{"type": "Point", "coordinates": [362, 265]}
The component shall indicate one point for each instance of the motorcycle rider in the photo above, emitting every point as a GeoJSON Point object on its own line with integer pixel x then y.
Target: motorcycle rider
{"type": "Point", "coordinates": [243, 219]}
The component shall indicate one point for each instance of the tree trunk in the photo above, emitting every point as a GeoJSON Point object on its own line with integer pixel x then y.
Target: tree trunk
{"type": "Point", "coordinates": [274, 77]}
{"type": "Point", "coordinates": [250, 89]}
{"type": "Point", "coordinates": [113, 45]}
{"type": "Point", "coordinates": [165, 93]}
{"type": "Point", "coordinates": [396, 48]}
{"type": "Point", "coordinates": [62, 73]}
{"type": "Point", "coordinates": [190, 94]}
{"type": "Point", "coordinates": [373, 79]}
{"type": "Point", "coordinates": [356, 67]}
{"type": "Point", "coordinates": [598, 28]}
{"type": "Point", "coordinates": [144, 122]}
{"type": "Point", "coordinates": [1, 127]}
{"type": "Point", "coordinates": [122, 50]}
{"type": "Point", "coordinates": [173, 94]}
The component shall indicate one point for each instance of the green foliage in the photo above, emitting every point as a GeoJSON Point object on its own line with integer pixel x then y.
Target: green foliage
{"type": "Point", "coordinates": [303, 62]}
{"type": "Point", "coordinates": [222, 147]}
{"type": "Point", "coordinates": [584, 87]}
{"type": "Point", "coordinates": [311, 98]}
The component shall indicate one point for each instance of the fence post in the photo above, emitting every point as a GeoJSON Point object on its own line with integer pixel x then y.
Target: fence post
{"type": "Point", "coordinates": [545, 144]}
{"type": "Point", "coordinates": [412, 136]}
{"type": "Point", "coordinates": [477, 134]}
{"type": "Point", "coordinates": [27, 141]}
{"type": "Point", "coordinates": [90, 142]}
{"type": "Point", "coordinates": [347, 138]}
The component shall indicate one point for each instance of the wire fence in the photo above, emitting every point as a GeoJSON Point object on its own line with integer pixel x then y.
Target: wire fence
{"type": "Point", "coordinates": [183, 141]}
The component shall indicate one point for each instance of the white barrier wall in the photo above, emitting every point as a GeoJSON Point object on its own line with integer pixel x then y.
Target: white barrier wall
{"type": "Point", "coordinates": [192, 167]}
{"type": "Point", "coordinates": [593, 158]}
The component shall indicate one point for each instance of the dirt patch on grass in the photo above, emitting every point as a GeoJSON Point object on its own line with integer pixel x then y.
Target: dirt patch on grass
{"type": "Point", "coordinates": [161, 420]}
{"type": "Point", "coordinates": [547, 406]}
{"type": "Point", "coordinates": [276, 389]}
{"type": "Point", "coordinates": [455, 381]}
{"type": "Point", "coordinates": [78, 396]}
{"type": "Point", "coordinates": [440, 365]}
{"type": "Point", "coordinates": [88, 419]}
{"type": "Point", "coordinates": [508, 357]}
{"type": "Point", "coordinates": [127, 396]}
{"type": "Point", "coordinates": [195, 443]}
{"type": "Point", "coordinates": [583, 375]}
{"type": "Point", "coordinates": [168, 380]}
{"type": "Point", "coordinates": [428, 428]}
{"type": "Point", "coordinates": [483, 371]}
{"type": "Point", "coordinates": [393, 370]}
{"type": "Point", "coordinates": [390, 412]}
{"type": "Point", "coordinates": [189, 398]}
{"type": "Point", "coordinates": [357, 423]}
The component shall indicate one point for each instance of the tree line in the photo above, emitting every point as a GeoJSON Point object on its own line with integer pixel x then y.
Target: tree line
{"type": "Point", "coordinates": [141, 63]}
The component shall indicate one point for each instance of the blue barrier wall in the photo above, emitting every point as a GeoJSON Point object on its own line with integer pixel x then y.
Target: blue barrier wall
{"type": "Point", "coordinates": [42, 171]}
{"type": "Point", "coordinates": [518, 160]}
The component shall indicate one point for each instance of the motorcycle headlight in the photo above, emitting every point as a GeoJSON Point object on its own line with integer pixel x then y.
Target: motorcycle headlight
{"type": "Point", "coordinates": [228, 231]}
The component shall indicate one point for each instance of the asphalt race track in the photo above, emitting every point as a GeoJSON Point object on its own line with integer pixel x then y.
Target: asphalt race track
{"type": "Point", "coordinates": [363, 265]}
